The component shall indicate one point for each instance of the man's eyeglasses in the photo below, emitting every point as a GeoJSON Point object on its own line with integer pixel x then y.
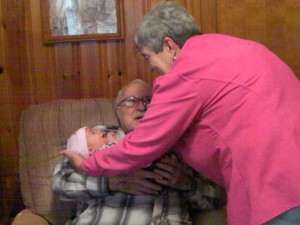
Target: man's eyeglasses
{"type": "Point", "coordinates": [133, 101]}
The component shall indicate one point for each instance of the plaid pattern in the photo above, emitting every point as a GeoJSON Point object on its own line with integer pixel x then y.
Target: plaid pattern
{"type": "Point", "coordinates": [95, 205]}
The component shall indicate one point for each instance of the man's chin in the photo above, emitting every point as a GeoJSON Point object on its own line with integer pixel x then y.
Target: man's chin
{"type": "Point", "coordinates": [134, 123]}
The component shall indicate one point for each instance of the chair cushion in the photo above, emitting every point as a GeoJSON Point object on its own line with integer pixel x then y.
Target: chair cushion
{"type": "Point", "coordinates": [44, 129]}
{"type": "Point", "coordinates": [26, 217]}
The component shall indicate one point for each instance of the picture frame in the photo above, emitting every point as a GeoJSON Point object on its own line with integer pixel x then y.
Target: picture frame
{"type": "Point", "coordinates": [82, 20]}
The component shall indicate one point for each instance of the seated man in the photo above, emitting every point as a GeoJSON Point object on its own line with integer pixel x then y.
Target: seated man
{"type": "Point", "coordinates": [163, 193]}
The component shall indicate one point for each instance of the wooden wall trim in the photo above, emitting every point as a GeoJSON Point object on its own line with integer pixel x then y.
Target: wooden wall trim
{"type": "Point", "coordinates": [209, 16]}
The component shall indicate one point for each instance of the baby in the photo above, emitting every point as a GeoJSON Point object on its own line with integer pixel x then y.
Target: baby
{"type": "Point", "coordinates": [85, 141]}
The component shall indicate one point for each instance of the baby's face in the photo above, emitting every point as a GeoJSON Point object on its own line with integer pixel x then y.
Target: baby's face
{"type": "Point", "coordinates": [112, 137]}
{"type": "Point", "coordinates": [96, 138]}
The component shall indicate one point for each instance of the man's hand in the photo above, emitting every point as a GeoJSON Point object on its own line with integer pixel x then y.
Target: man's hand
{"type": "Point", "coordinates": [174, 173]}
{"type": "Point", "coordinates": [76, 160]}
{"type": "Point", "coordinates": [136, 183]}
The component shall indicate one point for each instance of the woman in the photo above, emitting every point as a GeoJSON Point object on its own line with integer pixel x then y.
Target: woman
{"type": "Point", "coordinates": [233, 108]}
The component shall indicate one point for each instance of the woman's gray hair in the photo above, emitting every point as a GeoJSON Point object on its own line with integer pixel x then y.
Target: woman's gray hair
{"type": "Point", "coordinates": [167, 19]}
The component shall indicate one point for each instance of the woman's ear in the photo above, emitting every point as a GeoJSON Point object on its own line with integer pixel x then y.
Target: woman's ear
{"type": "Point", "coordinates": [171, 45]}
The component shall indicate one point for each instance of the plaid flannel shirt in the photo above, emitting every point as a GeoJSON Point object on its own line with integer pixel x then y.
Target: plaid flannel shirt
{"type": "Point", "coordinates": [96, 205]}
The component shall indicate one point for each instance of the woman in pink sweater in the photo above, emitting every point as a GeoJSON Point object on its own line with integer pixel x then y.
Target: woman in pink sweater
{"type": "Point", "coordinates": [232, 107]}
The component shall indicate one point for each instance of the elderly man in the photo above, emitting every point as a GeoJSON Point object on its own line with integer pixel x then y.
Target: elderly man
{"type": "Point", "coordinates": [162, 193]}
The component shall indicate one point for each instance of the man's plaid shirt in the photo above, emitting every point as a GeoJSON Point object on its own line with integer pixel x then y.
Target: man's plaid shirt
{"type": "Point", "coordinates": [96, 205]}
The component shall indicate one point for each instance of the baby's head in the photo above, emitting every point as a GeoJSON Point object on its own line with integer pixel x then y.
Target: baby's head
{"type": "Point", "coordinates": [86, 140]}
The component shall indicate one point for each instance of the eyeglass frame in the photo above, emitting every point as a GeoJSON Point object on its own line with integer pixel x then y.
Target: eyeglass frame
{"type": "Point", "coordinates": [138, 101]}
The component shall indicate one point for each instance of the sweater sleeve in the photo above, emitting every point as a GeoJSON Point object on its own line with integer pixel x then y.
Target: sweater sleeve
{"type": "Point", "coordinates": [174, 107]}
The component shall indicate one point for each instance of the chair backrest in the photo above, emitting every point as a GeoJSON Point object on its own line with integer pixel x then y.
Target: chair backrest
{"type": "Point", "coordinates": [44, 129]}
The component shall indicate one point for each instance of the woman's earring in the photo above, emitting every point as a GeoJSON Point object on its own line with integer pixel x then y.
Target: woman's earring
{"type": "Point", "coordinates": [174, 57]}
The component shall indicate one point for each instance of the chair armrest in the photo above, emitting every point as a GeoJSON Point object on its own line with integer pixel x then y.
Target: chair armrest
{"type": "Point", "coordinates": [27, 217]}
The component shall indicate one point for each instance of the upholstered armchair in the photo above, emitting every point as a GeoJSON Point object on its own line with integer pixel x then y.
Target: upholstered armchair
{"type": "Point", "coordinates": [44, 129]}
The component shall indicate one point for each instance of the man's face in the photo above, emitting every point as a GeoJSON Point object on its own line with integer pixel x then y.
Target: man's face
{"type": "Point", "coordinates": [129, 116]}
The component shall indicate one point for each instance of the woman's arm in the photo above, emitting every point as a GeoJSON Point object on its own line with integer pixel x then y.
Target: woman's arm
{"type": "Point", "coordinates": [175, 106]}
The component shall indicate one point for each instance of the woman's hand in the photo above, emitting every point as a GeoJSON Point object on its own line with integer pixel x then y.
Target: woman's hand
{"type": "Point", "coordinates": [76, 160]}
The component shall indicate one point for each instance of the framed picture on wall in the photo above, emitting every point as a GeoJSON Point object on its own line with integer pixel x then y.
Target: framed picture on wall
{"type": "Point", "coordinates": [82, 20]}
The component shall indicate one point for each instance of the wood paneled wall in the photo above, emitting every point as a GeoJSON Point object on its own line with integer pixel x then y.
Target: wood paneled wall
{"type": "Point", "coordinates": [34, 72]}
{"type": "Point", "coordinates": [274, 23]}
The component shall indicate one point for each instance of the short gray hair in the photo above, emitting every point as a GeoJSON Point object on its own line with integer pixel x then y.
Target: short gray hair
{"type": "Point", "coordinates": [122, 92]}
{"type": "Point", "coordinates": [167, 19]}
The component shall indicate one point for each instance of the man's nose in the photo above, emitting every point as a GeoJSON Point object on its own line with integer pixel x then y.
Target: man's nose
{"type": "Point", "coordinates": [141, 106]}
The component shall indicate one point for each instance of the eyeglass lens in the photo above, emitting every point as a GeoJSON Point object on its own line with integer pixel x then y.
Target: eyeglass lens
{"type": "Point", "coordinates": [133, 101]}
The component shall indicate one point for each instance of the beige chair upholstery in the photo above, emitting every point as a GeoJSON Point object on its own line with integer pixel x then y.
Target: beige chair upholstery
{"type": "Point", "coordinates": [27, 217]}
{"type": "Point", "coordinates": [44, 129]}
